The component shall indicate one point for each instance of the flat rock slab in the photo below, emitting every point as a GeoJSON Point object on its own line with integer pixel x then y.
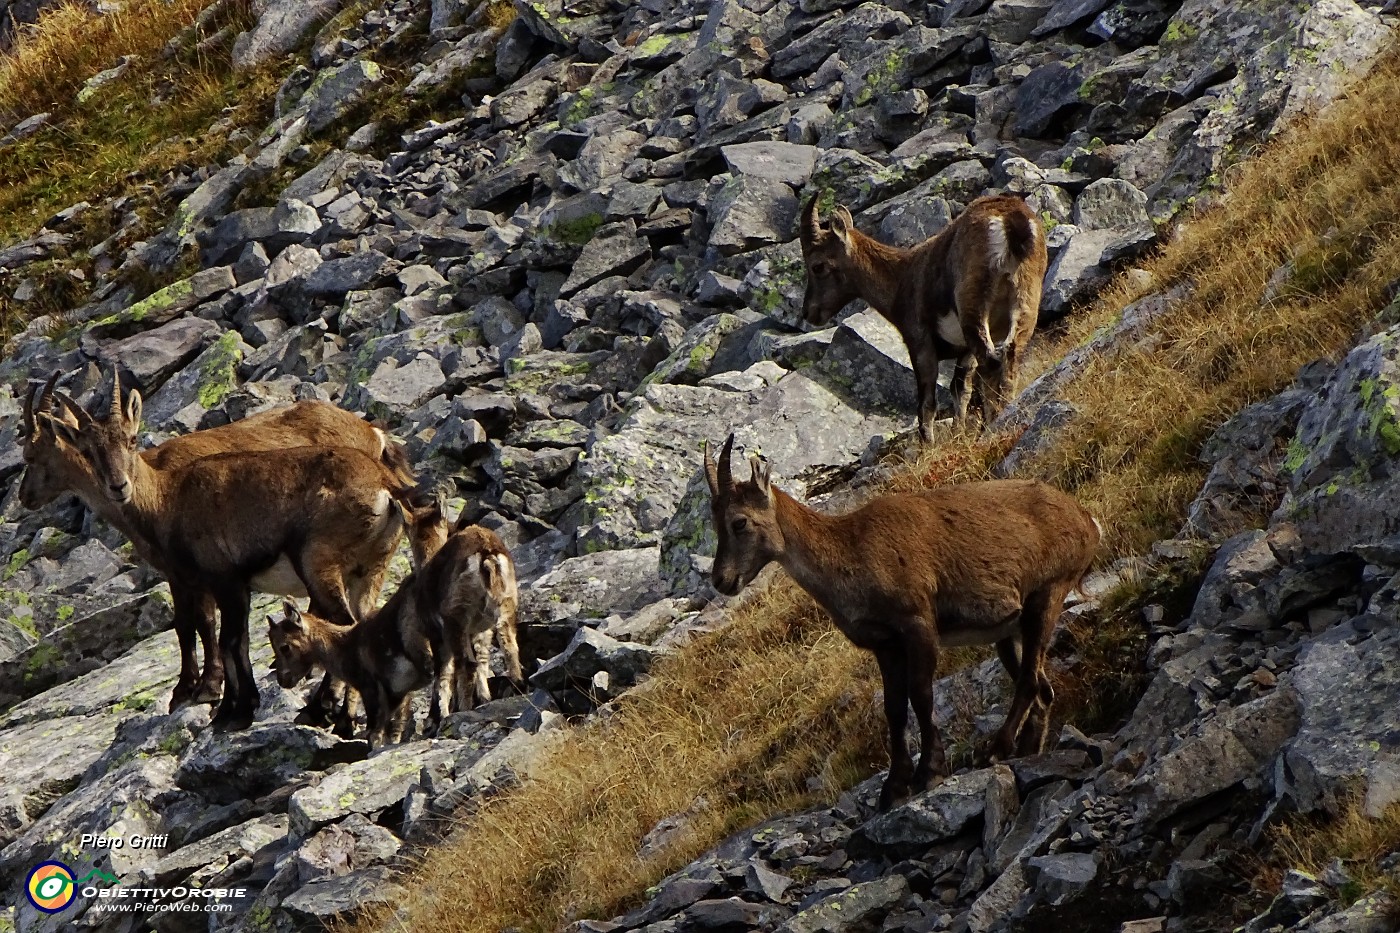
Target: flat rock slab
{"type": "Point", "coordinates": [1349, 689]}
{"type": "Point", "coordinates": [228, 766]}
{"type": "Point", "coordinates": [368, 786]}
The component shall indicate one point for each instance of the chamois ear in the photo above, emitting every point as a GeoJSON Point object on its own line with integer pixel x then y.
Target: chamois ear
{"type": "Point", "coordinates": [61, 429]}
{"type": "Point", "coordinates": [291, 615]}
{"type": "Point", "coordinates": [760, 473]}
{"type": "Point", "coordinates": [711, 471]}
{"type": "Point", "coordinates": [843, 225]}
{"type": "Point", "coordinates": [133, 409]}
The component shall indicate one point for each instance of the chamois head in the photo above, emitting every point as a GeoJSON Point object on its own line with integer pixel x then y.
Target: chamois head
{"type": "Point", "coordinates": [291, 645]}
{"type": "Point", "coordinates": [50, 464]}
{"type": "Point", "coordinates": [109, 445]}
{"type": "Point", "coordinates": [829, 256]}
{"type": "Point", "coordinates": [745, 521]}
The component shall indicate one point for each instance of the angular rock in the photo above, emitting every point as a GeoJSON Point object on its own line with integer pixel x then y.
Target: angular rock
{"type": "Point", "coordinates": [224, 767]}
{"type": "Point", "coordinates": [751, 211]}
{"type": "Point", "coordinates": [775, 161]}
{"type": "Point", "coordinates": [335, 93]}
{"type": "Point", "coordinates": [614, 250]}
{"type": "Point", "coordinates": [369, 786]}
{"type": "Point", "coordinates": [589, 653]}
{"type": "Point", "coordinates": [859, 907]}
{"type": "Point", "coordinates": [280, 27]}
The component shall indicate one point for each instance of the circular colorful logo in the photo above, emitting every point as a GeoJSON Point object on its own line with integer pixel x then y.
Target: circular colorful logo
{"type": "Point", "coordinates": [50, 886]}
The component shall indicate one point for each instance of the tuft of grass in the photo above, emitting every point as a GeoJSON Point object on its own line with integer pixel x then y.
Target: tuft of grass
{"type": "Point", "coordinates": [69, 44]}
{"type": "Point", "coordinates": [744, 717]}
{"type": "Point", "coordinates": [1359, 840]}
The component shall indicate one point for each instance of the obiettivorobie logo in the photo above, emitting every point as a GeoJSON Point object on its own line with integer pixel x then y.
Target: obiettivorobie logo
{"type": "Point", "coordinates": [51, 886]}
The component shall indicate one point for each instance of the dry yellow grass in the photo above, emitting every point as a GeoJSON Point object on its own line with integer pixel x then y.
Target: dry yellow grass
{"type": "Point", "coordinates": [70, 44]}
{"type": "Point", "coordinates": [1358, 840]}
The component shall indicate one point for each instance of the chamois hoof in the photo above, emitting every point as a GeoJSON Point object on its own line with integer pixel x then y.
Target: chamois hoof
{"type": "Point", "coordinates": [230, 720]}
{"type": "Point", "coordinates": [180, 698]}
{"type": "Point", "coordinates": [891, 795]}
{"type": "Point", "coordinates": [208, 693]}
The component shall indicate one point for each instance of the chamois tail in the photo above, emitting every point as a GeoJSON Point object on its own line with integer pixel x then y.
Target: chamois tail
{"type": "Point", "coordinates": [1020, 235]}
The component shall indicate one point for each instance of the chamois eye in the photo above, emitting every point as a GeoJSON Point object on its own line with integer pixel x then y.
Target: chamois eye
{"type": "Point", "coordinates": [821, 270]}
{"type": "Point", "coordinates": [739, 525]}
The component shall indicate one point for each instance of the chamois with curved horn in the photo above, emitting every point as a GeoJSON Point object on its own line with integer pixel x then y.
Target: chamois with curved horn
{"type": "Point", "coordinates": [54, 467]}
{"type": "Point", "coordinates": [301, 520]}
{"type": "Point", "coordinates": [971, 293]}
{"type": "Point", "coordinates": [907, 573]}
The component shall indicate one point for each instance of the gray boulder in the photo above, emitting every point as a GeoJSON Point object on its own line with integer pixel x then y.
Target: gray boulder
{"type": "Point", "coordinates": [280, 28]}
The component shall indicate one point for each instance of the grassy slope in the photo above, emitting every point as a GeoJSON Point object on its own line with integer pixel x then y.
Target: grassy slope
{"type": "Point", "coordinates": [776, 711]}
{"type": "Point", "coordinates": [163, 115]}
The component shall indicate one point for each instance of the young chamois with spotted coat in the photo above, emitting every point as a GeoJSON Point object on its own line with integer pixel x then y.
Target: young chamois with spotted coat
{"type": "Point", "coordinates": [972, 293]}
{"type": "Point", "coordinates": [53, 467]}
{"type": "Point", "coordinates": [439, 622]}
{"type": "Point", "coordinates": [908, 573]}
{"type": "Point", "coordinates": [300, 519]}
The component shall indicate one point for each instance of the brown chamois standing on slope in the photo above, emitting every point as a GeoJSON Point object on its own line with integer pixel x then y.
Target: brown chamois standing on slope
{"type": "Point", "coordinates": [305, 519]}
{"type": "Point", "coordinates": [972, 292]}
{"type": "Point", "coordinates": [904, 574]}
{"type": "Point", "coordinates": [439, 622]}
{"type": "Point", "coordinates": [54, 467]}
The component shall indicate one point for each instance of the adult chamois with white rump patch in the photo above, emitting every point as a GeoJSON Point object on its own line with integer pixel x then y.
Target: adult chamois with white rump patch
{"type": "Point", "coordinates": [54, 466]}
{"type": "Point", "coordinates": [907, 573]}
{"type": "Point", "coordinates": [972, 293]}
{"type": "Point", "coordinates": [300, 519]}
{"type": "Point", "coordinates": [439, 622]}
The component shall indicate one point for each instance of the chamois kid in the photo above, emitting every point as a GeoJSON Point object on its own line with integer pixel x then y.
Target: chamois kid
{"type": "Point", "coordinates": [53, 467]}
{"type": "Point", "coordinates": [971, 293]}
{"type": "Point", "coordinates": [441, 620]}
{"type": "Point", "coordinates": [904, 574]}
{"type": "Point", "coordinates": [302, 519]}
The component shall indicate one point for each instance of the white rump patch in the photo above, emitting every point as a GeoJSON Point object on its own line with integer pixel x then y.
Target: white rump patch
{"type": "Point", "coordinates": [1097, 524]}
{"type": "Point", "coordinates": [998, 255]}
{"type": "Point", "coordinates": [280, 579]}
{"type": "Point", "coordinates": [950, 329]}
{"type": "Point", "coordinates": [382, 501]}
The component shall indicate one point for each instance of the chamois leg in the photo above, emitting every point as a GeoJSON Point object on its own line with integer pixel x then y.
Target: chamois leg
{"type": "Point", "coordinates": [211, 681]}
{"type": "Point", "coordinates": [240, 699]}
{"type": "Point", "coordinates": [1033, 733]}
{"type": "Point", "coordinates": [444, 695]}
{"type": "Point", "coordinates": [190, 625]}
{"type": "Point", "coordinates": [923, 663]}
{"type": "Point", "coordinates": [481, 651]}
{"type": "Point", "coordinates": [424, 656]}
{"type": "Point", "coordinates": [894, 677]}
{"type": "Point", "coordinates": [1031, 740]}
{"type": "Point", "coordinates": [364, 587]}
{"type": "Point", "coordinates": [925, 362]}
{"type": "Point", "coordinates": [505, 637]}
{"type": "Point", "coordinates": [398, 720]}
{"type": "Point", "coordinates": [964, 372]}
{"type": "Point", "coordinates": [1038, 617]}
{"type": "Point", "coordinates": [377, 714]}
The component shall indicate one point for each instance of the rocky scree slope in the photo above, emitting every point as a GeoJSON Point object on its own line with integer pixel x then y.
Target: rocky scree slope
{"type": "Point", "coordinates": [553, 295]}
